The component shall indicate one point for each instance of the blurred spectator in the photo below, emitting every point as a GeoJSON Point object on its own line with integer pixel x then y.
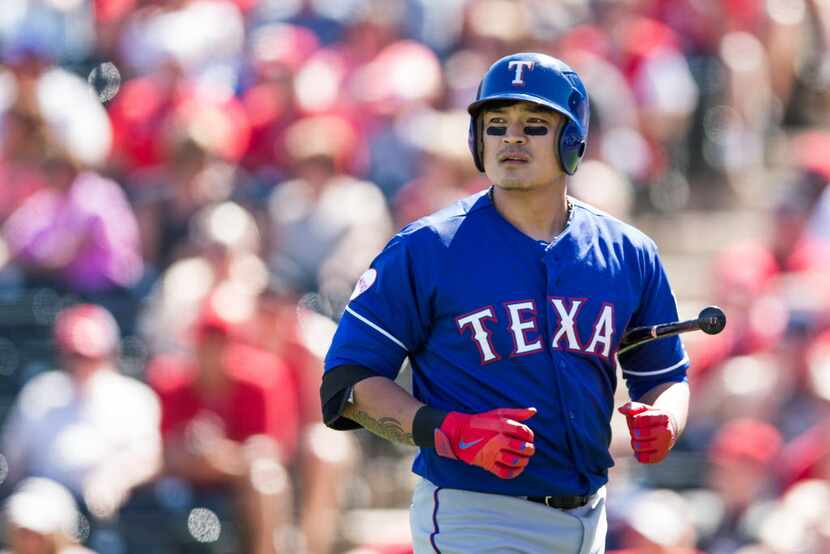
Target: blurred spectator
{"type": "Point", "coordinates": [808, 455]}
{"type": "Point", "coordinates": [797, 521]}
{"type": "Point", "coordinates": [762, 282]}
{"type": "Point", "coordinates": [224, 421]}
{"type": "Point", "coordinates": [54, 132]}
{"type": "Point", "coordinates": [221, 247]}
{"type": "Point", "coordinates": [322, 461]}
{"type": "Point", "coordinates": [614, 115]}
{"type": "Point", "coordinates": [277, 52]}
{"type": "Point", "coordinates": [658, 522]}
{"type": "Point", "coordinates": [42, 518]}
{"type": "Point", "coordinates": [598, 184]}
{"type": "Point", "coordinates": [757, 386]}
{"type": "Point", "coordinates": [24, 136]}
{"type": "Point", "coordinates": [325, 223]}
{"type": "Point", "coordinates": [203, 37]}
{"type": "Point", "coordinates": [446, 172]}
{"type": "Point", "coordinates": [792, 243]}
{"type": "Point", "coordinates": [76, 122]}
{"type": "Point", "coordinates": [744, 273]}
{"type": "Point", "coordinates": [646, 96]}
{"type": "Point", "coordinates": [192, 180]}
{"type": "Point", "coordinates": [86, 426]}
{"type": "Point", "coordinates": [155, 114]}
{"type": "Point", "coordinates": [52, 30]}
{"type": "Point", "coordinates": [79, 232]}
{"type": "Point", "coordinates": [743, 457]}
{"type": "Point", "coordinates": [141, 117]}
{"type": "Point", "coordinates": [397, 86]}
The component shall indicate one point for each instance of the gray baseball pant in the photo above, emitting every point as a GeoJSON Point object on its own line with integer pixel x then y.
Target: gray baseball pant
{"type": "Point", "coordinates": [454, 521]}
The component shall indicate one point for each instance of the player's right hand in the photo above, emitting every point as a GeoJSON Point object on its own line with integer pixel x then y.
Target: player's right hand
{"type": "Point", "coordinates": [494, 440]}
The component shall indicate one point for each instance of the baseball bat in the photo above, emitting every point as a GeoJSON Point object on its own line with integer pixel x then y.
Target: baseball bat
{"type": "Point", "coordinates": [711, 320]}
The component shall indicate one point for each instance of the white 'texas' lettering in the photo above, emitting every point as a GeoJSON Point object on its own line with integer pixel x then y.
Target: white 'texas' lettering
{"type": "Point", "coordinates": [566, 323]}
{"type": "Point", "coordinates": [519, 327]}
{"type": "Point", "coordinates": [603, 331]}
{"type": "Point", "coordinates": [480, 334]}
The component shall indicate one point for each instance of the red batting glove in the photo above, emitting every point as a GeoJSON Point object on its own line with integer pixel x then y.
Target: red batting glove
{"type": "Point", "coordinates": [493, 440]}
{"type": "Point", "coordinates": [653, 431]}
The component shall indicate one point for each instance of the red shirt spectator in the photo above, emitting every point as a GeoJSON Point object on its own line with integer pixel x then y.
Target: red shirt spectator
{"type": "Point", "coordinates": [257, 398]}
{"type": "Point", "coordinates": [222, 425]}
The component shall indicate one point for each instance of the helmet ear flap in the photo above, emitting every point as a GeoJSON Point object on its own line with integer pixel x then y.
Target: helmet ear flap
{"type": "Point", "coordinates": [571, 146]}
{"type": "Point", "coordinates": [473, 138]}
{"type": "Point", "coordinates": [474, 143]}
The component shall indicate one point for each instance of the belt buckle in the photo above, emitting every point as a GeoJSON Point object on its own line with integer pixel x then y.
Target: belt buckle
{"type": "Point", "coordinates": [578, 502]}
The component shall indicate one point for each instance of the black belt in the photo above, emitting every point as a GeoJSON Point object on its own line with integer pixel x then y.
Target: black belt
{"type": "Point", "coordinates": [561, 502]}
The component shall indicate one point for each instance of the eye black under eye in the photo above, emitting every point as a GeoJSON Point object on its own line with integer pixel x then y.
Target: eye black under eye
{"type": "Point", "coordinates": [530, 130]}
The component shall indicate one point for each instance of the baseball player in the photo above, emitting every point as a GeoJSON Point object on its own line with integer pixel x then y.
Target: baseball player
{"type": "Point", "coordinates": [510, 305]}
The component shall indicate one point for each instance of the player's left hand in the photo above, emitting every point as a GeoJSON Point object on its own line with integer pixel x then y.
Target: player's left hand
{"type": "Point", "coordinates": [653, 431]}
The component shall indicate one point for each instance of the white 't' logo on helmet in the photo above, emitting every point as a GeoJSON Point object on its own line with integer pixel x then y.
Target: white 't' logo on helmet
{"type": "Point", "coordinates": [520, 65]}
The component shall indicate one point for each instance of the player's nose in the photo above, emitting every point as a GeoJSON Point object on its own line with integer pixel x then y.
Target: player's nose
{"type": "Point", "coordinates": [515, 133]}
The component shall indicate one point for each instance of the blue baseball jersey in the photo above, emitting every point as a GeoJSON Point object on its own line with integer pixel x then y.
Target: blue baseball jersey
{"type": "Point", "coordinates": [492, 318]}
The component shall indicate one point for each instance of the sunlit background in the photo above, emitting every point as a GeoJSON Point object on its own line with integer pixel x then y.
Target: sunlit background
{"type": "Point", "coordinates": [216, 174]}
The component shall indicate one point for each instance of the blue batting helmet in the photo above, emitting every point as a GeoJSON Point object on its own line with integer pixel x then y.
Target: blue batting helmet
{"type": "Point", "coordinates": [543, 80]}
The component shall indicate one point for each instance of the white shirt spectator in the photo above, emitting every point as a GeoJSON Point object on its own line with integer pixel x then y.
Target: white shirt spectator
{"type": "Point", "coordinates": [98, 439]}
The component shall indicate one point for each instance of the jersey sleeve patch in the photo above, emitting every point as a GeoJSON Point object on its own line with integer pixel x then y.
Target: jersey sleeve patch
{"type": "Point", "coordinates": [390, 311]}
{"type": "Point", "coordinates": [366, 280]}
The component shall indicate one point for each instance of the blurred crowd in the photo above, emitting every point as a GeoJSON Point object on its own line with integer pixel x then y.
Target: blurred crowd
{"type": "Point", "coordinates": [189, 190]}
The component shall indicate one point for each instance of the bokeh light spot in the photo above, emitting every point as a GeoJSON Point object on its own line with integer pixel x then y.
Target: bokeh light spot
{"type": "Point", "coordinates": [84, 528]}
{"type": "Point", "coordinates": [328, 445]}
{"type": "Point", "coordinates": [268, 477]}
{"type": "Point", "coordinates": [742, 52]}
{"type": "Point", "coordinates": [717, 122]}
{"type": "Point", "coordinates": [204, 525]}
{"type": "Point", "coordinates": [105, 79]}
{"type": "Point", "coordinates": [786, 12]}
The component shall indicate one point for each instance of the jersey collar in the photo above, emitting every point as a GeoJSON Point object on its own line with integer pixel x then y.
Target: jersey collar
{"type": "Point", "coordinates": [487, 199]}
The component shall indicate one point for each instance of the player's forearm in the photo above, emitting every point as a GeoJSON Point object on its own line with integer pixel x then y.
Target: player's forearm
{"type": "Point", "coordinates": [673, 398]}
{"type": "Point", "coordinates": [384, 408]}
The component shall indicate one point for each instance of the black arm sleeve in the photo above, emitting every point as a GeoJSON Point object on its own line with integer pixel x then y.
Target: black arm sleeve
{"type": "Point", "coordinates": [427, 420]}
{"type": "Point", "coordinates": [335, 392]}
{"type": "Point", "coordinates": [336, 389]}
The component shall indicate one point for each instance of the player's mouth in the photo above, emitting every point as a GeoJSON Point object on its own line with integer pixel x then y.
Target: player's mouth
{"type": "Point", "coordinates": [514, 158]}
